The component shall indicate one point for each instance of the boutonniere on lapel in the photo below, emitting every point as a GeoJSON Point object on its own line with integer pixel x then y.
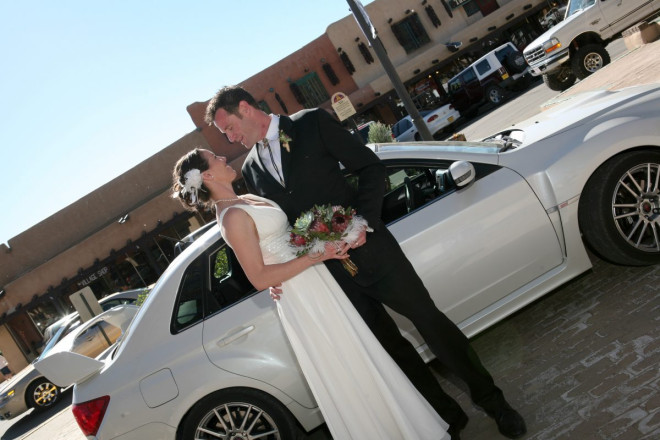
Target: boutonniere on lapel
{"type": "Point", "coordinates": [284, 141]}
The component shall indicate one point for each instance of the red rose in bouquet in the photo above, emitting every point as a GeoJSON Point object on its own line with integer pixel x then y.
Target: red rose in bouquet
{"type": "Point", "coordinates": [325, 223]}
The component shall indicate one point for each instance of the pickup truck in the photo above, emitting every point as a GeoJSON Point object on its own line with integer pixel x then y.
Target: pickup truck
{"type": "Point", "coordinates": [575, 48]}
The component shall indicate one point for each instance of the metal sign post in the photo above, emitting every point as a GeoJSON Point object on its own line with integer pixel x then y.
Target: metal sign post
{"type": "Point", "coordinates": [370, 33]}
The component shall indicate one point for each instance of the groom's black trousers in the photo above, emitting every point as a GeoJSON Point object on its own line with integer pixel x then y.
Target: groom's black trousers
{"type": "Point", "coordinates": [403, 291]}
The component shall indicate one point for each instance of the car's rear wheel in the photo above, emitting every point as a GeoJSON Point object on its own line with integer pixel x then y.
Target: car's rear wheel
{"type": "Point", "coordinates": [239, 414]}
{"type": "Point", "coordinates": [619, 210]}
{"type": "Point", "coordinates": [588, 59]}
{"type": "Point", "coordinates": [495, 95]}
{"type": "Point", "coordinates": [42, 394]}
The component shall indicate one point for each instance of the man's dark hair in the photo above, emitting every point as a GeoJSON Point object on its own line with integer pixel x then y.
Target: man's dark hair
{"type": "Point", "coordinates": [228, 99]}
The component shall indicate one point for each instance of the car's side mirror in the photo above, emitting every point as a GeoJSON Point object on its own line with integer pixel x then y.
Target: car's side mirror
{"type": "Point", "coordinates": [462, 173]}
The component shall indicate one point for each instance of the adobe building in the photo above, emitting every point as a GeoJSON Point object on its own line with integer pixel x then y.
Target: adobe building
{"type": "Point", "coordinates": [122, 235]}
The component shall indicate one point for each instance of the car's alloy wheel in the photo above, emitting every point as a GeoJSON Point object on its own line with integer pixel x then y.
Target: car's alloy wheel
{"type": "Point", "coordinates": [43, 394]}
{"type": "Point", "coordinates": [239, 414]}
{"type": "Point", "coordinates": [620, 209]}
{"type": "Point", "coordinates": [588, 59]}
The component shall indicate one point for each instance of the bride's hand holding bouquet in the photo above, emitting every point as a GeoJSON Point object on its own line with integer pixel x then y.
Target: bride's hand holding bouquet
{"type": "Point", "coordinates": [324, 226]}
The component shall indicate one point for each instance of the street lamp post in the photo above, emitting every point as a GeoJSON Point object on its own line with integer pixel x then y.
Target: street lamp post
{"type": "Point", "coordinates": [369, 32]}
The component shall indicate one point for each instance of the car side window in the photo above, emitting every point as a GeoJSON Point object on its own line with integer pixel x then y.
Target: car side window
{"type": "Point", "coordinates": [411, 187]}
{"type": "Point", "coordinates": [454, 84]}
{"type": "Point", "coordinates": [188, 309]}
{"type": "Point", "coordinates": [468, 76]}
{"type": "Point", "coordinates": [483, 67]}
{"type": "Point", "coordinates": [228, 283]}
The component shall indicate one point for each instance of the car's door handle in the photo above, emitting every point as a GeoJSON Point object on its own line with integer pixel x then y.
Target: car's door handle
{"type": "Point", "coordinates": [231, 338]}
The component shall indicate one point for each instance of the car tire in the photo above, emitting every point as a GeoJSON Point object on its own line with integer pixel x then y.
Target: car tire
{"type": "Point", "coordinates": [560, 81]}
{"type": "Point", "coordinates": [495, 95]}
{"type": "Point", "coordinates": [244, 413]}
{"type": "Point", "coordinates": [619, 212]}
{"type": "Point", "coordinates": [42, 394]}
{"type": "Point", "coordinates": [588, 59]}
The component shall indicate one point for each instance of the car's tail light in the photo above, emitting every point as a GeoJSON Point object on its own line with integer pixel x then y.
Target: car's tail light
{"type": "Point", "coordinates": [432, 118]}
{"type": "Point", "coordinates": [89, 415]}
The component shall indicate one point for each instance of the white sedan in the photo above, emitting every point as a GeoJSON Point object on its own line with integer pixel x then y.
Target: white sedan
{"type": "Point", "coordinates": [437, 121]}
{"type": "Point", "coordinates": [490, 226]}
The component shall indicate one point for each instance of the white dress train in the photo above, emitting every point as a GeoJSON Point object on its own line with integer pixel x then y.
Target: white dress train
{"type": "Point", "coordinates": [360, 390]}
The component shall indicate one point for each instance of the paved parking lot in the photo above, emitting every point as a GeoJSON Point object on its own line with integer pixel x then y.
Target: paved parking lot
{"type": "Point", "coordinates": [582, 362]}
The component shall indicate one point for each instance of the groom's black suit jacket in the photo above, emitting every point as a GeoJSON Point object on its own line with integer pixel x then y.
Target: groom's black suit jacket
{"type": "Point", "coordinates": [313, 177]}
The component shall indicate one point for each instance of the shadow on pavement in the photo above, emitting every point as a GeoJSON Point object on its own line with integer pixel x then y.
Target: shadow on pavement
{"type": "Point", "coordinates": [32, 419]}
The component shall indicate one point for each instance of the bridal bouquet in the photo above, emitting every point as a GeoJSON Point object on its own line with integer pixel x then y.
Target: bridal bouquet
{"type": "Point", "coordinates": [326, 223]}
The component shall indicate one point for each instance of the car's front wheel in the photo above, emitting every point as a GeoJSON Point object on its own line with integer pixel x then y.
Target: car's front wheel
{"type": "Point", "coordinates": [42, 394]}
{"type": "Point", "coordinates": [619, 210]}
{"type": "Point", "coordinates": [239, 414]}
{"type": "Point", "coordinates": [588, 59]}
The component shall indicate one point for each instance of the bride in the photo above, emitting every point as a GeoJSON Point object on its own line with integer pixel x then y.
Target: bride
{"type": "Point", "coordinates": [361, 392]}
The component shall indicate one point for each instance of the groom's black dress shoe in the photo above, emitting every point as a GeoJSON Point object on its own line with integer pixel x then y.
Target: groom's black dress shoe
{"type": "Point", "coordinates": [509, 421]}
{"type": "Point", "coordinates": [457, 426]}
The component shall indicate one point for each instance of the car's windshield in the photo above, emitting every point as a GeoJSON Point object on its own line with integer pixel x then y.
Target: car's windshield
{"type": "Point", "coordinates": [578, 5]}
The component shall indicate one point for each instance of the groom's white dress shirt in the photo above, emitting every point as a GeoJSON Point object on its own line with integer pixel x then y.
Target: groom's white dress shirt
{"type": "Point", "coordinates": [273, 136]}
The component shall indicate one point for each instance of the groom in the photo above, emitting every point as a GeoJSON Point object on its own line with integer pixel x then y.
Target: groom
{"type": "Point", "coordinates": [296, 163]}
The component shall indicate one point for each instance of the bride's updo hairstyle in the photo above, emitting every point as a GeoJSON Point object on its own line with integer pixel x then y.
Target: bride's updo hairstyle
{"type": "Point", "coordinates": [187, 183]}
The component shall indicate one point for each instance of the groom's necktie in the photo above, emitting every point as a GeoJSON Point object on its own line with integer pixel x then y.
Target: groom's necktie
{"type": "Point", "coordinates": [266, 144]}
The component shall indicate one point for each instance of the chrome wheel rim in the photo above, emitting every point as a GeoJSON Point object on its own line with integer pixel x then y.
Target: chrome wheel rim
{"type": "Point", "coordinates": [593, 62]}
{"type": "Point", "coordinates": [636, 207]}
{"type": "Point", "coordinates": [237, 421]}
{"type": "Point", "coordinates": [45, 394]}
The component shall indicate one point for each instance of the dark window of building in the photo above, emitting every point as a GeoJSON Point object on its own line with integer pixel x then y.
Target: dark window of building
{"type": "Point", "coordinates": [410, 33]}
{"type": "Point", "coordinates": [312, 90]}
{"type": "Point", "coordinates": [364, 50]}
{"type": "Point", "coordinates": [347, 62]}
{"type": "Point", "coordinates": [435, 21]}
{"type": "Point", "coordinates": [487, 6]}
{"type": "Point", "coordinates": [330, 73]}
{"type": "Point", "coordinates": [263, 105]}
{"type": "Point", "coordinates": [278, 98]}
{"type": "Point", "coordinates": [471, 8]}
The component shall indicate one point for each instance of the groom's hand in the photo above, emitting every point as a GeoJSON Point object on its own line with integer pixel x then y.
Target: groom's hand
{"type": "Point", "coordinates": [275, 292]}
{"type": "Point", "coordinates": [359, 241]}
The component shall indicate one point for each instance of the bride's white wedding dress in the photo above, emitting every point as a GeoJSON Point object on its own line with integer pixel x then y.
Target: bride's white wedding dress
{"type": "Point", "coordinates": [361, 392]}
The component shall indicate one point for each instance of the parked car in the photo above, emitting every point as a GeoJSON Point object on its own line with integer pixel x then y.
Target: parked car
{"type": "Point", "coordinates": [363, 129]}
{"type": "Point", "coordinates": [31, 389]}
{"type": "Point", "coordinates": [106, 303]}
{"type": "Point", "coordinates": [553, 16]}
{"type": "Point", "coordinates": [489, 79]}
{"type": "Point", "coordinates": [206, 356]}
{"type": "Point", "coordinates": [438, 121]}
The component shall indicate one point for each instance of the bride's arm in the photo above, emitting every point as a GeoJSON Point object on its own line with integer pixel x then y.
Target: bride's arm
{"type": "Point", "coordinates": [240, 233]}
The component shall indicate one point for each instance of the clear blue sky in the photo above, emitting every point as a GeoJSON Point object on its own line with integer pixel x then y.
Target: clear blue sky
{"type": "Point", "coordinates": [90, 89]}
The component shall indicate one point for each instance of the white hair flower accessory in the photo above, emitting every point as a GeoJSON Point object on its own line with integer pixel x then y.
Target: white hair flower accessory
{"type": "Point", "coordinates": [192, 183]}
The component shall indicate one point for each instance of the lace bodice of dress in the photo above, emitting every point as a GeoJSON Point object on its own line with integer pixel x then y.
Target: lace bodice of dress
{"type": "Point", "coordinates": [273, 228]}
